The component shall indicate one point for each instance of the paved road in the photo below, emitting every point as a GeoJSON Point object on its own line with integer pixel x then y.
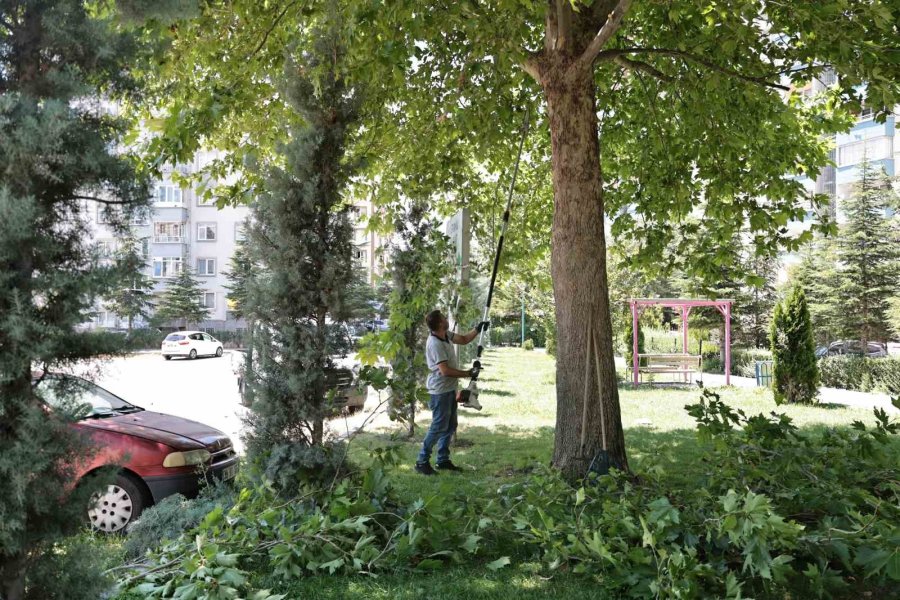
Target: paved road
{"type": "Point", "coordinates": [203, 390]}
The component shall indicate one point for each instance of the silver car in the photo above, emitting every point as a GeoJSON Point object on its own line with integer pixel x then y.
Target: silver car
{"type": "Point", "coordinates": [851, 348]}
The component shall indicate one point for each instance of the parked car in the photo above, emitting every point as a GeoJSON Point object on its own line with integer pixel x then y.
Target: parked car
{"type": "Point", "coordinates": [851, 348]}
{"type": "Point", "coordinates": [190, 344]}
{"type": "Point", "coordinates": [341, 377]}
{"type": "Point", "coordinates": [159, 455]}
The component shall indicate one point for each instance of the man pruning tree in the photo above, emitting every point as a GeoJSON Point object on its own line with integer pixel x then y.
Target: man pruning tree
{"type": "Point", "coordinates": [442, 376]}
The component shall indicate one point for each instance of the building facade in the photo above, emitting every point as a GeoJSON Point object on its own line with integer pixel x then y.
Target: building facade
{"type": "Point", "coordinates": [867, 140]}
{"type": "Point", "coordinates": [184, 230]}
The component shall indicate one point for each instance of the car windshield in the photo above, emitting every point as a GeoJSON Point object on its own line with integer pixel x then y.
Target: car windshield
{"type": "Point", "coordinates": [73, 393]}
{"type": "Point", "coordinates": [174, 337]}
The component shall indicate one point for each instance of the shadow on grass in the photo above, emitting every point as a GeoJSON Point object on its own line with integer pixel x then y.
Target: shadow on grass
{"type": "Point", "coordinates": [472, 583]}
{"type": "Point", "coordinates": [490, 392]}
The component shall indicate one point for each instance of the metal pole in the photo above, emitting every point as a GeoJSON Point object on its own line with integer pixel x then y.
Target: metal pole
{"type": "Point", "coordinates": [634, 343]}
{"type": "Point", "coordinates": [505, 224]}
{"type": "Point", "coordinates": [728, 343]}
{"type": "Point", "coordinates": [523, 318]}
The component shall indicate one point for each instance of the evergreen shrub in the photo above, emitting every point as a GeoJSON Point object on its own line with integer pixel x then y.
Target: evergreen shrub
{"type": "Point", "coordinates": [796, 374]}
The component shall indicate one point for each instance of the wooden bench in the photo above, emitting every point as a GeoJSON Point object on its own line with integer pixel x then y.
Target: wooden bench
{"type": "Point", "coordinates": [676, 364]}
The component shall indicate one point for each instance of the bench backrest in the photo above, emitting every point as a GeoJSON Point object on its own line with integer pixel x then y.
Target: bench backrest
{"type": "Point", "coordinates": [669, 359]}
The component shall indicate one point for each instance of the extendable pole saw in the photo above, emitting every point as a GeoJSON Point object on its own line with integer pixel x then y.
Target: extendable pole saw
{"type": "Point", "coordinates": [469, 396]}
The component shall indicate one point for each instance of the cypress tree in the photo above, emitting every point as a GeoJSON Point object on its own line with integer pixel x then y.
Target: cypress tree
{"type": "Point", "coordinates": [59, 161]}
{"type": "Point", "coordinates": [868, 256]}
{"type": "Point", "coordinates": [300, 242]}
{"type": "Point", "coordinates": [420, 271]}
{"type": "Point", "coordinates": [796, 372]}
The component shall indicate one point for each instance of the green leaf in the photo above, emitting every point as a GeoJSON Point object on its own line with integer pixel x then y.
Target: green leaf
{"type": "Point", "coordinates": [429, 564]}
{"type": "Point", "coordinates": [579, 496]}
{"type": "Point", "coordinates": [471, 543]}
{"type": "Point", "coordinates": [893, 566]}
{"type": "Point", "coordinates": [498, 564]}
{"type": "Point", "coordinates": [332, 565]}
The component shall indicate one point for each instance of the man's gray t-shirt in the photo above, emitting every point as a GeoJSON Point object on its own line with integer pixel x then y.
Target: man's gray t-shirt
{"type": "Point", "coordinates": [438, 350]}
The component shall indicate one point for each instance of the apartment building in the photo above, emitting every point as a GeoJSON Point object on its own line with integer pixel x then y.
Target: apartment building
{"type": "Point", "coordinates": [867, 140]}
{"type": "Point", "coordinates": [184, 230]}
{"type": "Point", "coordinates": [370, 248]}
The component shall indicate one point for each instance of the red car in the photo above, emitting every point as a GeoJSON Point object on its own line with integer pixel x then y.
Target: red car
{"type": "Point", "coordinates": [159, 454]}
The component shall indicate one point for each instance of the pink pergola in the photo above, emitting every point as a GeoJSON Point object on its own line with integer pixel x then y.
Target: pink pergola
{"type": "Point", "coordinates": [685, 305]}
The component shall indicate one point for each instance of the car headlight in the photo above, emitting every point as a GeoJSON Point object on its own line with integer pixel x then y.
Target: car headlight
{"type": "Point", "coordinates": [186, 459]}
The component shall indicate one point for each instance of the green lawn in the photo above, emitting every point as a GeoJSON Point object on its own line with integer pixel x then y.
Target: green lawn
{"type": "Point", "coordinates": [514, 432]}
{"type": "Point", "coordinates": [506, 440]}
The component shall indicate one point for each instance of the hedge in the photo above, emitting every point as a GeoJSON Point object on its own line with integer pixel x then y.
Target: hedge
{"type": "Point", "coordinates": [743, 361]}
{"type": "Point", "coordinates": [861, 374]}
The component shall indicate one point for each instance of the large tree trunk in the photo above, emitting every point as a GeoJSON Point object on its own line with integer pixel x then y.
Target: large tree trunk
{"type": "Point", "coordinates": [12, 577]}
{"type": "Point", "coordinates": [579, 273]}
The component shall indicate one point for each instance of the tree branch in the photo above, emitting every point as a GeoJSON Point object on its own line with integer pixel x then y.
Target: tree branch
{"type": "Point", "coordinates": [101, 200]}
{"type": "Point", "coordinates": [551, 32]}
{"type": "Point", "coordinates": [563, 23]}
{"type": "Point", "coordinates": [271, 28]}
{"type": "Point", "coordinates": [636, 65]}
{"type": "Point", "coordinates": [615, 53]}
{"type": "Point", "coordinates": [612, 24]}
{"type": "Point", "coordinates": [530, 65]}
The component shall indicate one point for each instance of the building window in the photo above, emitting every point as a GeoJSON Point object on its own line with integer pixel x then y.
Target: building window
{"type": "Point", "coordinates": [362, 256]}
{"type": "Point", "coordinates": [206, 232]}
{"type": "Point", "coordinates": [208, 300]}
{"type": "Point", "coordinates": [168, 233]}
{"type": "Point", "coordinates": [206, 266]}
{"type": "Point", "coordinates": [166, 267]}
{"type": "Point", "coordinates": [168, 195]}
{"type": "Point", "coordinates": [145, 247]}
{"type": "Point", "coordinates": [206, 199]}
{"type": "Point", "coordinates": [240, 233]}
{"type": "Point", "coordinates": [106, 248]}
{"type": "Point", "coordinates": [105, 213]}
{"type": "Point", "coordinates": [874, 149]}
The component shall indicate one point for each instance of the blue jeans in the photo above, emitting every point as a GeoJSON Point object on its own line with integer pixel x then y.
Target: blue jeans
{"type": "Point", "coordinates": [443, 426]}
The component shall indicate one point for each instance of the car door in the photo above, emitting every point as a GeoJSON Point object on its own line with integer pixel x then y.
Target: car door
{"type": "Point", "coordinates": [198, 344]}
{"type": "Point", "coordinates": [212, 344]}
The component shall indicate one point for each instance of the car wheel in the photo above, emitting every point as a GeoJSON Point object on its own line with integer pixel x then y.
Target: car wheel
{"type": "Point", "coordinates": [115, 508]}
{"type": "Point", "coordinates": [192, 355]}
{"type": "Point", "coordinates": [167, 357]}
{"type": "Point", "coordinates": [219, 351]}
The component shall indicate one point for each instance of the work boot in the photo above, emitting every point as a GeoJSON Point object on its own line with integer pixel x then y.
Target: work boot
{"type": "Point", "coordinates": [447, 466]}
{"type": "Point", "coordinates": [425, 469]}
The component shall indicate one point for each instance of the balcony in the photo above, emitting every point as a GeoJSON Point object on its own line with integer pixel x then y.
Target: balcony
{"type": "Point", "coordinates": [169, 239]}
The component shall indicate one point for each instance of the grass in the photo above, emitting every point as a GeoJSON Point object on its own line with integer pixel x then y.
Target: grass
{"type": "Point", "coordinates": [514, 431]}
{"type": "Point", "coordinates": [504, 443]}
{"type": "Point", "coordinates": [452, 584]}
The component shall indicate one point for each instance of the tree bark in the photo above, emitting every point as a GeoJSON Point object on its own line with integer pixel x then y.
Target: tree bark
{"type": "Point", "coordinates": [578, 264]}
{"type": "Point", "coordinates": [12, 577]}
